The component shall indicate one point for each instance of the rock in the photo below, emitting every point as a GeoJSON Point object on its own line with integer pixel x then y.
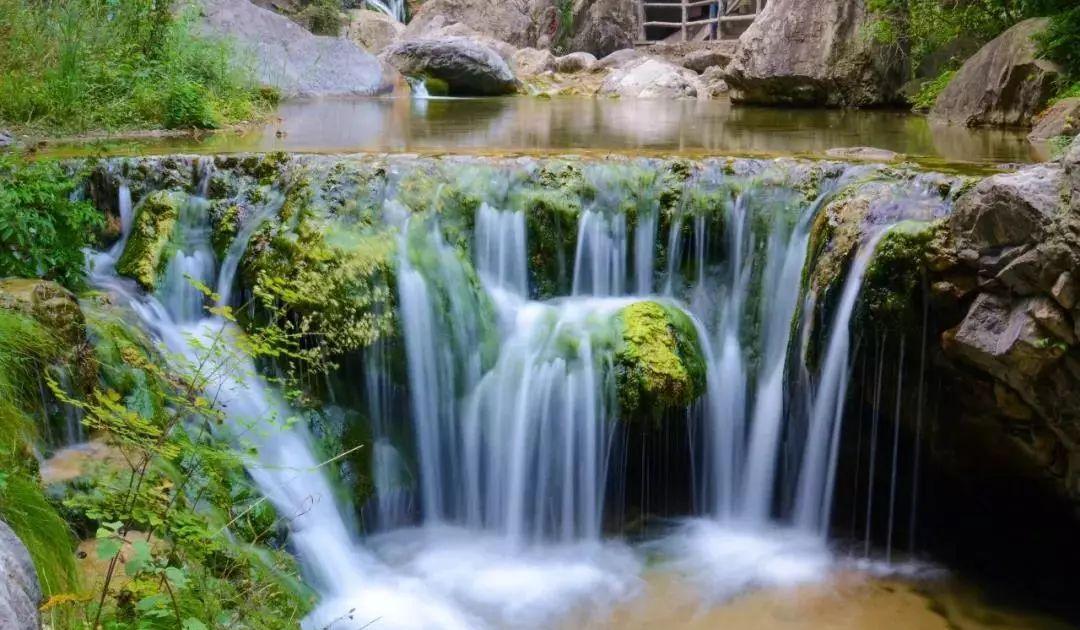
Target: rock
{"type": "Point", "coordinates": [866, 154]}
{"type": "Point", "coordinates": [373, 30]}
{"type": "Point", "coordinates": [601, 27]}
{"type": "Point", "coordinates": [1064, 290]}
{"type": "Point", "coordinates": [619, 59]}
{"type": "Point", "coordinates": [575, 62]}
{"type": "Point", "coordinates": [1002, 338]}
{"type": "Point", "coordinates": [532, 61]}
{"type": "Point", "coordinates": [511, 22]}
{"type": "Point", "coordinates": [1050, 316]}
{"type": "Point", "coordinates": [715, 85]}
{"type": "Point", "coordinates": [658, 362]}
{"type": "Point", "coordinates": [143, 258]}
{"type": "Point", "coordinates": [652, 78]}
{"type": "Point", "coordinates": [468, 67]}
{"type": "Point", "coordinates": [1010, 208]}
{"type": "Point", "coordinates": [1005, 83]}
{"type": "Point", "coordinates": [1060, 119]}
{"type": "Point", "coordinates": [53, 306]}
{"type": "Point", "coordinates": [6, 139]}
{"type": "Point", "coordinates": [1071, 163]}
{"type": "Point", "coordinates": [20, 592]}
{"type": "Point", "coordinates": [813, 52]}
{"type": "Point", "coordinates": [1011, 404]}
{"type": "Point", "coordinates": [459, 29]}
{"type": "Point", "coordinates": [705, 58]}
{"type": "Point", "coordinates": [290, 58]}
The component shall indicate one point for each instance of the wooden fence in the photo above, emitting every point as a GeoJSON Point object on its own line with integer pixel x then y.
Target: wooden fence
{"type": "Point", "coordinates": [730, 11]}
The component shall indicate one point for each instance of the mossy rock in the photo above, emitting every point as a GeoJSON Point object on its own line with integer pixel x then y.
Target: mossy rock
{"type": "Point", "coordinates": [658, 361]}
{"type": "Point", "coordinates": [143, 258]}
{"type": "Point", "coordinates": [892, 286]}
{"type": "Point", "coordinates": [435, 86]}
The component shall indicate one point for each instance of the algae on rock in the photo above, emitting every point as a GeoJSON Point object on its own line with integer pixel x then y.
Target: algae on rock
{"type": "Point", "coordinates": [144, 253]}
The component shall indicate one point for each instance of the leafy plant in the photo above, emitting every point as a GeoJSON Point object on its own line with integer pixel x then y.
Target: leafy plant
{"type": "Point", "coordinates": [1061, 42]}
{"type": "Point", "coordinates": [928, 92]}
{"type": "Point", "coordinates": [323, 17]}
{"type": "Point", "coordinates": [42, 229]}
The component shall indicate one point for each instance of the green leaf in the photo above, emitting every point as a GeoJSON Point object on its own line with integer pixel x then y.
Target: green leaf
{"type": "Point", "coordinates": [107, 547]}
{"type": "Point", "coordinates": [150, 602]}
{"type": "Point", "coordinates": [140, 557]}
{"type": "Point", "coordinates": [177, 576]}
{"type": "Point", "coordinates": [192, 623]}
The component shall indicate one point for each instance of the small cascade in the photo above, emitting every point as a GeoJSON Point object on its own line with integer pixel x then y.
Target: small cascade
{"type": "Point", "coordinates": [500, 249]}
{"type": "Point", "coordinates": [817, 475]}
{"type": "Point", "coordinates": [600, 260]}
{"type": "Point", "coordinates": [644, 251]}
{"type": "Point", "coordinates": [193, 261]}
{"type": "Point", "coordinates": [393, 8]}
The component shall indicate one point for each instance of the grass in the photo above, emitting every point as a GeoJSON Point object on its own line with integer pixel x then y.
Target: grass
{"type": "Point", "coordinates": [69, 66]}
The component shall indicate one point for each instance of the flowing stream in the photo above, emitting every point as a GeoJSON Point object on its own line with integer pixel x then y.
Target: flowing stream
{"type": "Point", "coordinates": [513, 411]}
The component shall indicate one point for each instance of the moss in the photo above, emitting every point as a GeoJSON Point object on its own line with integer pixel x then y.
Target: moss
{"type": "Point", "coordinates": [436, 86]}
{"type": "Point", "coordinates": [658, 362]}
{"type": "Point", "coordinates": [892, 286]}
{"type": "Point", "coordinates": [226, 225]}
{"type": "Point", "coordinates": [143, 258]}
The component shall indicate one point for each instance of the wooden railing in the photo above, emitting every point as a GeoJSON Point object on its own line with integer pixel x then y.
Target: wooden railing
{"type": "Point", "coordinates": [730, 11]}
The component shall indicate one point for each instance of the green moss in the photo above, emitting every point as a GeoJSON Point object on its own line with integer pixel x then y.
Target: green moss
{"type": "Point", "coordinates": [436, 86]}
{"type": "Point", "coordinates": [144, 254]}
{"type": "Point", "coordinates": [892, 286]}
{"type": "Point", "coordinates": [658, 362]}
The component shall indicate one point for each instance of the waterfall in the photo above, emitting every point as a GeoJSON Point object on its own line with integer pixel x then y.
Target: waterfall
{"type": "Point", "coordinates": [600, 260]}
{"type": "Point", "coordinates": [818, 472]}
{"type": "Point", "coordinates": [393, 8]}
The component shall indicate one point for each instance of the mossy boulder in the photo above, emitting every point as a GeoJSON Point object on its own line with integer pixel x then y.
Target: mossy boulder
{"type": "Point", "coordinates": [658, 361]}
{"type": "Point", "coordinates": [144, 254]}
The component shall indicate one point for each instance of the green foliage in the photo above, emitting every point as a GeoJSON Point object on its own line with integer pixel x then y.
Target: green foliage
{"type": "Point", "coordinates": [928, 92]}
{"type": "Point", "coordinates": [86, 64]}
{"type": "Point", "coordinates": [1061, 42]}
{"type": "Point", "coordinates": [42, 230]}
{"type": "Point", "coordinates": [323, 17]}
{"type": "Point", "coordinates": [892, 286]}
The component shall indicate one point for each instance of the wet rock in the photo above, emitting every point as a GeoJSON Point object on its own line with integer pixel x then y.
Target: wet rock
{"type": "Point", "coordinates": [1005, 83]}
{"type": "Point", "coordinates": [575, 62]}
{"type": "Point", "coordinates": [468, 67]}
{"type": "Point", "coordinates": [20, 592]}
{"type": "Point", "coordinates": [652, 78]}
{"type": "Point", "coordinates": [532, 61]}
{"type": "Point", "coordinates": [865, 154]}
{"type": "Point", "coordinates": [658, 363]}
{"type": "Point", "coordinates": [1002, 338]}
{"type": "Point", "coordinates": [1060, 119]}
{"type": "Point", "coordinates": [373, 30]}
{"type": "Point", "coordinates": [290, 58]}
{"type": "Point", "coordinates": [813, 52]}
{"type": "Point", "coordinates": [144, 253]}
{"type": "Point", "coordinates": [1010, 208]}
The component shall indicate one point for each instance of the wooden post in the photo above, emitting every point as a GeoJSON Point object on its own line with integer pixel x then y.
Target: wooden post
{"type": "Point", "coordinates": [685, 18]}
{"type": "Point", "coordinates": [641, 19]}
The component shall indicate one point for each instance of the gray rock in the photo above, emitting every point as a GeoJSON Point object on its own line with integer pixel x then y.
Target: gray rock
{"type": "Point", "coordinates": [602, 27]}
{"type": "Point", "coordinates": [652, 78]}
{"type": "Point", "coordinates": [703, 59]}
{"type": "Point", "coordinates": [1071, 162]}
{"type": "Point", "coordinates": [715, 85]}
{"type": "Point", "coordinates": [866, 154]}
{"type": "Point", "coordinates": [511, 22]}
{"type": "Point", "coordinates": [532, 61]}
{"type": "Point", "coordinates": [459, 29]}
{"type": "Point", "coordinates": [293, 60]}
{"type": "Point", "coordinates": [468, 67]}
{"type": "Point", "coordinates": [813, 52]}
{"type": "Point", "coordinates": [1064, 290]}
{"type": "Point", "coordinates": [6, 139]}
{"type": "Point", "coordinates": [620, 58]}
{"type": "Point", "coordinates": [1010, 208]}
{"type": "Point", "coordinates": [20, 592]}
{"type": "Point", "coordinates": [373, 30]}
{"type": "Point", "coordinates": [1060, 119]}
{"type": "Point", "coordinates": [1005, 83]}
{"type": "Point", "coordinates": [575, 62]}
{"type": "Point", "coordinates": [1002, 338]}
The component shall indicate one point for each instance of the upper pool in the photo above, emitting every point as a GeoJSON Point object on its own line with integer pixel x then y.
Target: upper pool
{"type": "Point", "coordinates": [531, 125]}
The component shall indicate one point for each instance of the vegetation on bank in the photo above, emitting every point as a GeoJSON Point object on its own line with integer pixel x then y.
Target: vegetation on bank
{"type": "Point", "coordinates": [937, 37]}
{"type": "Point", "coordinates": [76, 65]}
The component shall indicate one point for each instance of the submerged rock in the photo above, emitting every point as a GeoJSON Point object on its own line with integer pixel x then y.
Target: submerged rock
{"type": "Point", "coordinates": [658, 362]}
{"type": "Point", "coordinates": [813, 52]}
{"type": "Point", "coordinates": [1005, 83]}
{"type": "Point", "coordinates": [20, 592]}
{"type": "Point", "coordinates": [868, 154]}
{"type": "Point", "coordinates": [144, 254]}
{"type": "Point", "coordinates": [290, 58]}
{"type": "Point", "coordinates": [468, 67]}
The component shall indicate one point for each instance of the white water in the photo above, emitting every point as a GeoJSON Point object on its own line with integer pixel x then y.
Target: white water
{"type": "Point", "coordinates": [393, 8]}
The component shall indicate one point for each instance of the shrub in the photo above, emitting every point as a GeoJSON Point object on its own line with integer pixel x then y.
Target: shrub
{"type": "Point", "coordinates": [323, 17]}
{"type": "Point", "coordinates": [42, 229]}
{"type": "Point", "coordinates": [188, 105]}
{"type": "Point", "coordinates": [928, 92]}
{"type": "Point", "coordinates": [1061, 42]}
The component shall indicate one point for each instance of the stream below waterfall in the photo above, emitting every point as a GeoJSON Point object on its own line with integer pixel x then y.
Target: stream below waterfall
{"type": "Point", "coordinates": [515, 501]}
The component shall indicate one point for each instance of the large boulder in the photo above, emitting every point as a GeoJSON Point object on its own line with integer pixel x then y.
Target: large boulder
{"type": "Point", "coordinates": [813, 52]}
{"type": "Point", "coordinates": [468, 67]}
{"type": "Point", "coordinates": [20, 592]}
{"type": "Point", "coordinates": [510, 22]}
{"type": "Point", "coordinates": [1005, 83]}
{"type": "Point", "coordinates": [601, 27]}
{"type": "Point", "coordinates": [1060, 119]}
{"type": "Point", "coordinates": [652, 78]}
{"type": "Point", "coordinates": [290, 58]}
{"type": "Point", "coordinates": [1009, 209]}
{"type": "Point", "coordinates": [373, 30]}
{"type": "Point", "coordinates": [575, 62]}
